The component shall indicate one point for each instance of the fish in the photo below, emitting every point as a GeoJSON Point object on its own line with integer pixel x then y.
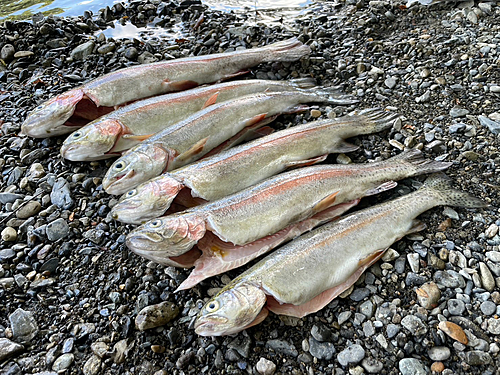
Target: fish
{"type": "Point", "coordinates": [265, 208]}
{"type": "Point", "coordinates": [305, 275]}
{"type": "Point", "coordinates": [63, 113]}
{"type": "Point", "coordinates": [111, 135]}
{"type": "Point", "coordinates": [240, 167]}
{"type": "Point", "coordinates": [194, 137]}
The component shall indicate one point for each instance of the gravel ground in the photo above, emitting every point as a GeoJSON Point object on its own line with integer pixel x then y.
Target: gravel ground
{"type": "Point", "coordinates": [73, 297]}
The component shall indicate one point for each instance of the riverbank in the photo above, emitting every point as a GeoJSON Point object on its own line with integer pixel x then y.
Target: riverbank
{"type": "Point", "coordinates": [64, 260]}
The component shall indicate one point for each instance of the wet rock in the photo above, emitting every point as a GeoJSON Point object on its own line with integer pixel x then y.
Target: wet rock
{"type": "Point", "coordinates": [428, 295]}
{"type": "Point", "coordinates": [57, 229]}
{"type": "Point", "coordinates": [282, 347]}
{"type": "Point", "coordinates": [28, 210]}
{"type": "Point", "coordinates": [23, 324]}
{"type": "Point", "coordinates": [372, 366]}
{"type": "Point", "coordinates": [9, 348]}
{"type": "Point", "coordinates": [265, 367]}
{"type": "Point", "coordinates": [83, 51]}
{"type": "Point", "coordinates": [456, 306]}
{"type": "Point", "coordinates": [351, 355]}
{"type": "Point", "coordinates": [92, 366]}
{"type": "Point", "coordinates": [411, 366]}
{"type": "Point", "coordinates": [61, 194]}
{"type": "Point", "coordinates": [493, 126]}
{"type": "Point", "coordinates": [106, 48]}
{"type": "Point", "coordinates": [156, 315]}
{"type": "Point", "coordinates": [454, 331]}
{"type": "Point", "coordinates": [477, 358]}
{"type": "Point", "coordinates": [131, 53]}
{"type": "Point", "coordinates": [7, 52]}
{"type": "Point", "coordinates": [9, 234]}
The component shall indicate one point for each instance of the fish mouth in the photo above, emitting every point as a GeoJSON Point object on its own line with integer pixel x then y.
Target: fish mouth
{"type": "Point", "coordinates": [76, 152]}
{"type": "Point", "coordinates": [142, 241]}
{"type": "Point", "coordinates": [113, 185]}
{"type": "Point", "coordinates": [208, 327]}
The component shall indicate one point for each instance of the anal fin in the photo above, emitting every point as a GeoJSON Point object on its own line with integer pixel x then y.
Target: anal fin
{"type": "Point", "coordinates": [259, 318]}
{"type": "Point", "coordinates": [344, 146]}
{"type": "Point", "coordinates": [325, 202]}
{"type": "Point", "coordinates": [303, 163]}
{"type": "Point", "coordinates": [212, 100]}
{"type": "Point", "coordinates": [138, 137]}
{"type": "Point", "coordinates": [195, 149]}
{"type": "Point", "coordinates": [178, 85]}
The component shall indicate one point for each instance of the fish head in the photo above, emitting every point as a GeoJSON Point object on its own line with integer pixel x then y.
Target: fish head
{"type": "Point", "coordinates": [47, 120]}
{"type": "Point", "coordinates": [173, 235]}
{"type": "Point", "coordinates": [136, 166]}
{"type": "Point", "coordinates": [233, 309]}
{"type": "Point", "coordinates": [147, 201]}
{"type": "Point", "coordinates": [94, 141]}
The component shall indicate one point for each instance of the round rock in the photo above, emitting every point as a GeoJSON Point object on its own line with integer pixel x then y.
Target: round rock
{"type": "Point", "coordinates": [411, 366]}
{"type": "Point", "coordinates": [265, 366]}
{"type": "Point", "coordinates": [439, 353]}
{"type": "Point", "coordinates": [57, 229]}
{"type": "Point", "coordinates": [156, 315]}
{"type": "Point", "coordinates": [23, 324]}
{"type": "Point", "coordinates": [351, 355]}
{"type": "Point", "coordinates": [488, 308]}
{"type": "Point", "coordinates": [28, 210]}
{"type": "Point", "coordinates": [456, 306]}
{"type": "Point", "coordinates": [63, 362]}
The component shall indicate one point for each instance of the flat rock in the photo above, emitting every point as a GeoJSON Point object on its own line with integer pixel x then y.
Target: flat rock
{"type": "Point", "coordinates": [412, 366]}
{"type": "Point", "coordinates": [61, 194]}
{"type": "Point", "coordinates": [23, 324]}
{"type": "Point", "coordinates": [63, 362]}
{"type": "Point", "coordinates": [321, 350]}
{"type": "Point", "coordinates": [83, 51]}
{"type": "Point", "coordinates": [282, 347]}
{"type": "Point", "coordinates": [439, 353]}
{"type": "Point", "coordinates": [9, 197]}
{"type": "Point", "coordinates": [9, 348]}
{"type": "Point", "coordinates": [28, 210]}
{"type": "Point", "coordinates": [156, 315]}
{"type": "Point", "coordinates": [351, 355]}
{"type": "Point", "coordinates": [57, 229]}
{"type": "Point", "coordinates": [414, 324]}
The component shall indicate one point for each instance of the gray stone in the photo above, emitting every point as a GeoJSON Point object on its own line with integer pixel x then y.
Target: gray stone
{"type": "Point", "coordinates": [449, 279]}
{"type": "Point", "coordinates": [488, 308]}
{"type": "Point", "coordinates": [61, 194]}
{"type": "Point", "coordinates": [344, 317]}
{"type": "Point", "coordinates": [414, 324]}
{"type": "Point", "coordinates": [9, 197]}
{"type": "Point", "coordinates": [477, 358]}
{"type": "Point", "coordinates": [390, 82]}
{"type": "Point", "coordinates": [7, 52]}
{"type": "Point", "coordinates": [131, 53]}
{"type": "Point", "coordinates": [28, 210]}
{"type": "Point", "coordinates": [351, 355]}
{"type": "Point", "coordinates": [455, 128]}
{"type": "Point", "coordinates": [147, 58]}
{"type": "Point", "coordinates": [372, 366]}
{"type": "Point", "coordinates": [392, 330]}
{"type": "Point", "coordinates": [63, 362]}
{"type": "Point", "coordinates": [57, 229]}
{"type": "Point", "coordinates": [493, 126]}
{"type": "Point", "coordinates": [368, 328]}
{"type": "Point", "coordinates": [494, 326]}
{"type": "Point", "coordinates": [83, 50]}
{"type": "Point", "coordinates": [321, 333]}
{"type": "Point", "coordinates": [428, 295]}
{"type": "Point", "coordinates": [458, 112]}
{"type": "Point", "coordinates": [92, 366]}
{"type": "Point", "coordinates": [105, 48]}
{"type": "Point", "coordinates": [282, 347]}
{"type": "Point", "coordinates": [23, 324]}
{"type": "Point", "coordinates": [439, 353]}
{"type": "Point", "coordinates": [265, 366]}
{"type": "Point", "coordinates": [456, 306]}
{"type": "Point", "coordinates": [241, 344]}
{"type": "Point", "coordinates": [412, 366]}
{"type": "Point", "coordinates": [321, 350]}
{"type": "Point", "coordinates": [9, 348]}
{"type": "Point", "coordinates": [486, 277]}
{"type": "Point", "coordinates": [367, 309]}
{"type": "Point", "coordinates": [156, 315]}
{"type": "Point", "coordinates": [359, 294]}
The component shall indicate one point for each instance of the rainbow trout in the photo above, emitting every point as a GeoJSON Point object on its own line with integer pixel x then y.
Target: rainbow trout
{"type": "Point", "coordinates": [243, 166]}
{"type": "Point", "coordinates": [274, 204]}
{"type": "Point", "coordinates": [112, 134]}
{"type": "Point", "coordinates": [76, 107]}
{"type": "Point", "coordinates": [192, 138]}
{"type": "Point", "coordinates": [305, 275]}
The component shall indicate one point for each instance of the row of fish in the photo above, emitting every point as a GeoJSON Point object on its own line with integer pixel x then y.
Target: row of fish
{"type": "Point", "coordinates": [234, 206]}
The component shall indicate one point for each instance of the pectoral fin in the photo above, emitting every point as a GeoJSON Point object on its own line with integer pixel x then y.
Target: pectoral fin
{"type": "Point", "coordinates": [232, 75]}
{"type": "Point", "coordinates": [138, 137]}
{"type": "Point", "coordinates": [211, 100]}
{"type": "Point", "coordinates": [178, 85]}
{"type": "Point", "coordinates": [303, 163]}
{"type": "Point", "coordinates": [385, 186]}
{"type": "Point", "coordinates": [196, 149]}
{"type": "Point", "coordinates": [345, 147]}
{"type": "Point", "coordinates": [325, 202]}
{"type": "Point", "coordinates": [416, 226]}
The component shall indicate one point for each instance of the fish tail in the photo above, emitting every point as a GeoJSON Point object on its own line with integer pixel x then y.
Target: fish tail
{"type": "Point", "coordinates": [441, 186]}
{"type": "Point", "coordinates": [303, 83]}
{"type": "Point", "coordinates": [286, 50]}
{"type": "Point", "coordinates": [413, 163]}
{"type": "Point", "coordinates": [335, 96]}
{"type": "Point", "coordinates": [374, 120]}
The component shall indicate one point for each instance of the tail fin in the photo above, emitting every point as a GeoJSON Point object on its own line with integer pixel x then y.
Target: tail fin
{"type": "Point", "coordinates": [414, 159]}
{"type": "Point", "coordinates": [376, 119]}
{"type": "Point", "coordinates": [303, 83]}
{"type": "Point", "coordinates": [335, 96]}
{"type": "Point", "coordinates": [286, 50]}
{"type": "Point", "coordinates": [442, 186]}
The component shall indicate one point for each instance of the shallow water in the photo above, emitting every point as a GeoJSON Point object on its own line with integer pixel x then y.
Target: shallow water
{"type": "Point", "coordinates": [24, 9]}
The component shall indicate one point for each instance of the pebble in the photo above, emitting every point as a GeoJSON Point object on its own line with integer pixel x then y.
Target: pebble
{"type": "Point", "coordinates": [9, 234]}
{"type": "Point", "coordinates": [282, 347]}
{"type": "Point", "coordinates": [428, 295]}
{"type": "Point", "coordinates": [63, 362]}
{"type": "Point", "coordinates": [439, 353]}
{"type": "Point", "coordinates": [9, 197]}
{"type": "Point", "coordinates": [414, 324]}
{"type": "Point", "coordinates": [414, 262]}
{"type": "Point", "coordinates": [344, 317]}
{"type": "Point", "coordinates": [486, 277]}
{"type": "Point", "coordinates": [57, 229]}
{"type": "Point", "coordinates": [7, 52]}
{"type": "Point", "coordinates": [321, 350]}
{"type": "Point", "coordinates": [9, 348]}
{"type": "Point", "coordinates": [61, 194]}
{"type": "Point", "coordinates": [454, 331]}
{"type": "Point", "coordinates": [493, 126]}
{"type": "Point", "coordinates": [412, 366]}
{"type": "Point", "coordinates": [488, 308]}
{"type": "Point", "coordinates": [23, 325]}
{"type": "Point", "coordinates": [265, 367]}
{"type": "Point", "coordinates": [92, 366]}
{"type": "Point", "coordinates": [28, 210]}
{"type": "Point", "coordinates": [156, 315]}
{"type": "Point", "coordinates": [351, 355]}
{"type": "Point", "coordinates": [371, 365]}
{"type": "Point", "coordinates": [83, 51]}
{"type": "Point", "coordinates": [477, 358]}
{"type": "Point", "coordinates": [437, 367]}
{"type": "Point", "coordinates": [456, 306]}
{"type": "Point", "coordinates": [494, 326]}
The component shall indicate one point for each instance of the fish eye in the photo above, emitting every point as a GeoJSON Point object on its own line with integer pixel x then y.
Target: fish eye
{"type": "Point", "coordinates": [131, 193]}
{"type": "Point", "coordinates": [155, 223]}
{"type": "Point", "coordinates": [120, 166]}
{"type": "Point", "coordinates": [77, 135]}
{"type": "Point", "coordinates": [212, 306]}
{"type": "Point", "coordinates": [39, 107]}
